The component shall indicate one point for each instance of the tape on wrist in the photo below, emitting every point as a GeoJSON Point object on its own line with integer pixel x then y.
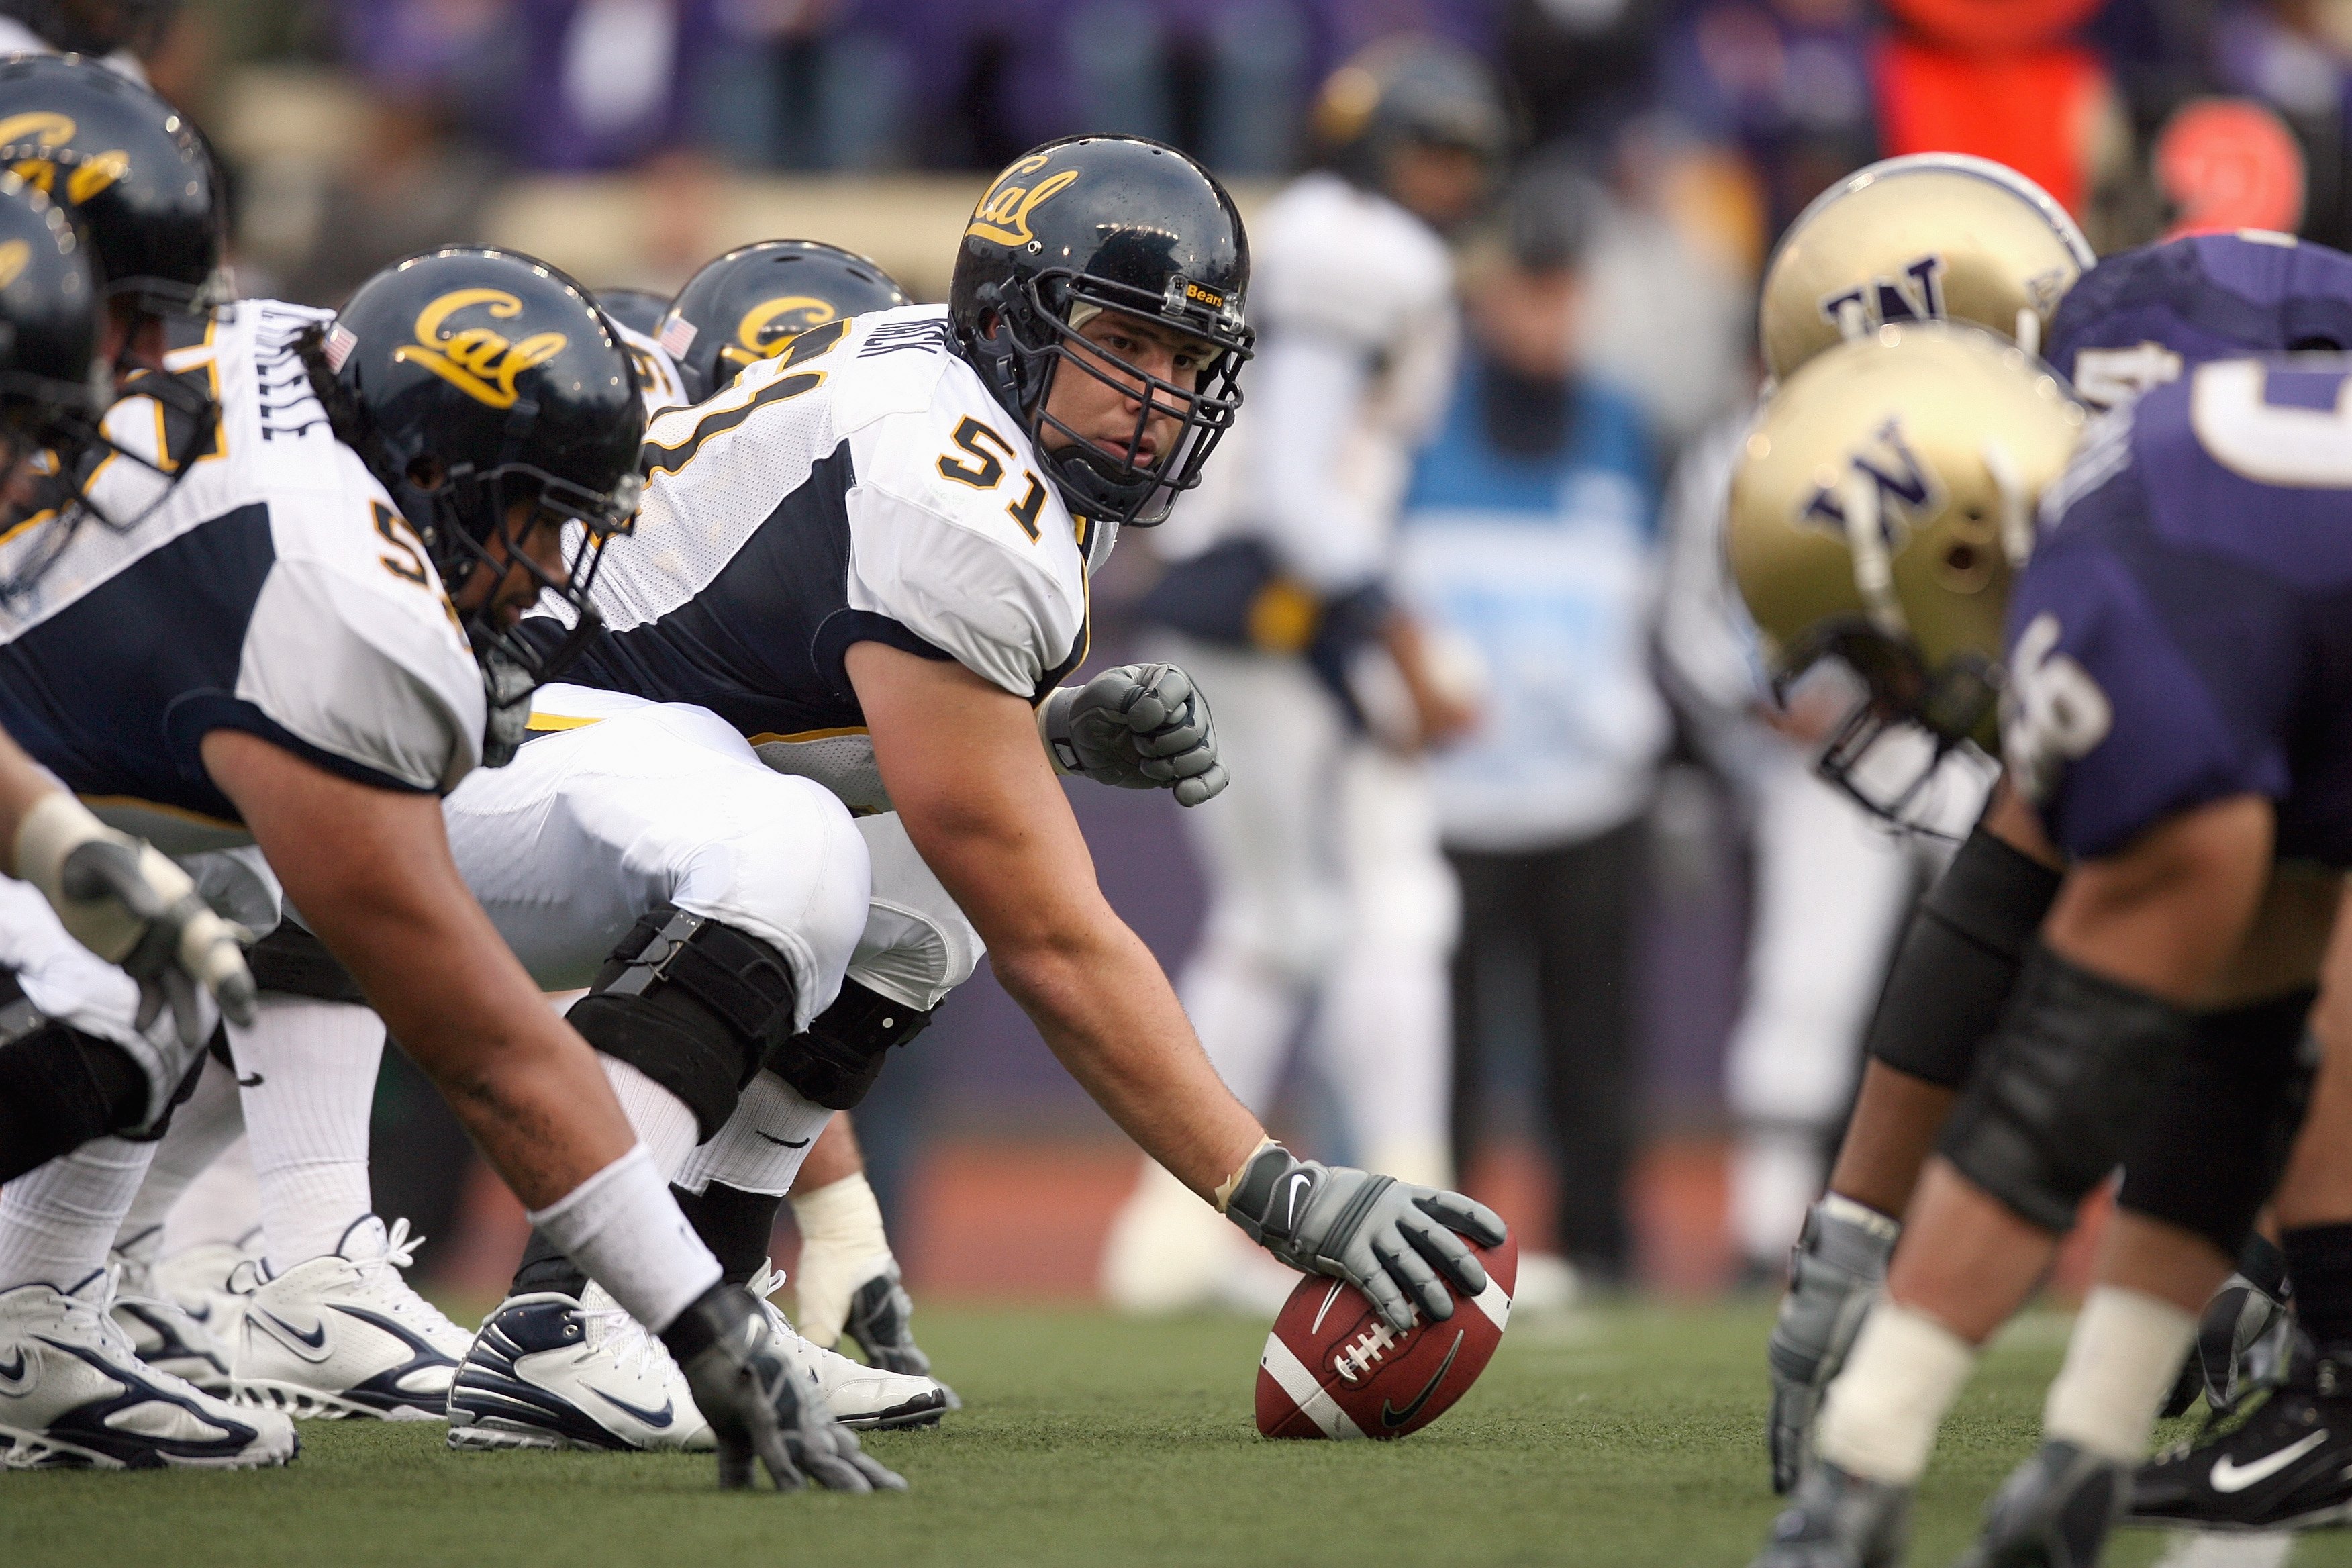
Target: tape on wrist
{"type": "Point", "coordinates": [844, 1213]}
{"type": "Point", "coordinates": [1225, 1189]}
{"type": "Point", "coordinates": [56, 826]}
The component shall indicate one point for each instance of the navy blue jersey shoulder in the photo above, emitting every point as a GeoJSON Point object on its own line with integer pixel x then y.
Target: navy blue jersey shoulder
{"type": "Point", "coordinates": [2208, 297]}
{"type": "Point", "coordinates": [761, 643]}
{"type": "Point", "coordinates": [2184, 632]}
{"type": "Point", "coordinates": [116, 692]}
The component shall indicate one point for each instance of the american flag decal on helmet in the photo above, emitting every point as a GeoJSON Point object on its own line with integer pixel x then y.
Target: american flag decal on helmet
{"type": "Point", "coordinates": [677, 336]}
{"type": "Point", "coordinates": [341, 342]}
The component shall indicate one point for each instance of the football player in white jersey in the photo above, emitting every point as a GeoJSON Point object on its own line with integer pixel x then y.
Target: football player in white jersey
{"type": "Point", "coordinates": [636, 314]}
{"type": "Point", "coordinates": [1328, 890]}
{"type": "Point", "coordinates": [870, 557]}
{"type": "Point", "coordinates": [110, 32]}
{"type": "Point", "coordinates": [259, 641]}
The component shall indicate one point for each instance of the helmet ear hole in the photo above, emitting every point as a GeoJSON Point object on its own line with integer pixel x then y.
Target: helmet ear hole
{"type": "Point", "coordinates": [425, 472]}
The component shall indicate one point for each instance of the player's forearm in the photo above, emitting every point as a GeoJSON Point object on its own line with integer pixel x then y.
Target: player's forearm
{"type": "Point", "coordinates": [1111, 1018]}
{"type": "Point", "coordinates": [834, 1157]}
{"type": "Point", "coordinates": [371, 874]}
{"type": "Point", "coordinates": [23, 783]}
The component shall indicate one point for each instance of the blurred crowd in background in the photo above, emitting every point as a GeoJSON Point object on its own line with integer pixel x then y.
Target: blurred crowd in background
{"type": "Point", "coordinates": [1633, 1101]}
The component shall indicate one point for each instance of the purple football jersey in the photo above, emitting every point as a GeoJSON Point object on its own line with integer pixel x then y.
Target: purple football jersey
{"type": "Point", "coordinates": [2184, 631]}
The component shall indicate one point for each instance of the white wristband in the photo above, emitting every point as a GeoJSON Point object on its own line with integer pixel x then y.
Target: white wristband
{"type": "Point", "coordinates": [56, 826]}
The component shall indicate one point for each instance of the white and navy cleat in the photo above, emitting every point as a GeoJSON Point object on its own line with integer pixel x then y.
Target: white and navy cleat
{"type": "Point", "coordinates": [343, 1335]}
{"type": "Point", "coordinates": [548, 1372]}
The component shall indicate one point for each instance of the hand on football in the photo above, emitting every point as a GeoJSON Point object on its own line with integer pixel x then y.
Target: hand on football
{"type": "Point", "coordinates": [1390, 1239]}
{"type": "Point", "coordinates": [1138, 726]}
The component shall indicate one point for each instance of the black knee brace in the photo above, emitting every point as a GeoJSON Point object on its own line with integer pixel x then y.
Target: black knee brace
{"type": "Point", "coordinates": [293, 961]}
{"type": "Point", "coordinates": [837, 1057]}
{"type": "Point", "coordinates": [1959, 960]}
{"type": "Point", "coordinates": [59, 1087]}
{"type": "Point", "coordinates": [2217, 1140]}
{"type": "Point", "coordinates": [694, 1005]}
{"type": "Point", "coordinates": [2061, 1087]}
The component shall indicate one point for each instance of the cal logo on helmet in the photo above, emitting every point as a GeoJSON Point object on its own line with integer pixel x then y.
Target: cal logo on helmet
{"type": "Point", "coordinates": [1002, 215]}
{"type": "Point", "coordinates": [478, 360]}
{"type": "Point", "coordinates": [769, 327]}
{"type": "Point", "coordinates": [45, 130]}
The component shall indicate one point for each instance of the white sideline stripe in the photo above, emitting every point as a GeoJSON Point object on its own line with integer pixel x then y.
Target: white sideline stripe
{"type": "Point", "coordinates": [1304, 1392]}
{"type": "Point", "coordinates": [1495, 1302]}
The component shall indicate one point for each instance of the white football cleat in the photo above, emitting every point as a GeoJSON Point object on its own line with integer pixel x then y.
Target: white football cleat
{"type": "Point", "coordinates": [197, 1278]}
{"type": "Point", "coordinates": [163, 1334]}
{"type": "Point", "coordinates": [73, 1394]}
{"type": "Point", "coordinates": [862, 1396]}
{"type": "Point", "coordinates": [344, 1335]}
{"type": "Point", "coordinates": [548, 1372]}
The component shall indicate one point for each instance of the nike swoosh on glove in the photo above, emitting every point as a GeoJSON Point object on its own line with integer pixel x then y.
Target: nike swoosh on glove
{"type": "Point", "coordinates": [1390, 1239]}
{"type": "Point", "coordinates": [1137, 726]}
{"type": "Point", "coordinates": [762, 1403]}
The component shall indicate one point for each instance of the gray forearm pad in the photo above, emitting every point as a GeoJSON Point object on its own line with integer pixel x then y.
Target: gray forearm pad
{"type": "Point", "coordinates": [2064, 1084]}
{"type": "Point", "coordinates": [1958, 960]}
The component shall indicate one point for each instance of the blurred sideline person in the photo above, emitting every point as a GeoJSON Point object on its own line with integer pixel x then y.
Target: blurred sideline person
{"type": "Point", "coordinates": [1528, 533]}
{"type": "Point", "coordinates": [887, 531]}
{"type": "Point", "coordinates": [1329, 897]}
{"type": "Point", "coordinates": [114, 33]}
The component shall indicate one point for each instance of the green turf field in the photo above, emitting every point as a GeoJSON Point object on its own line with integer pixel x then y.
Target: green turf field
{"type": "Point", "coordinates": [1627, 1438]}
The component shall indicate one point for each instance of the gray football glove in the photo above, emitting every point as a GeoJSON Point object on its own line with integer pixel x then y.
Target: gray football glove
{"type": "Point", "coordinates": [762, 1403]}
{"type": "Point", "coordinates": [1835, 1274]}
{"type": "Point", "coordinates": [1387, 1238]}
{"type": "Point", "coordinates": [135, 907]}
{"type": "Point", "coordinates": [1139, 726]}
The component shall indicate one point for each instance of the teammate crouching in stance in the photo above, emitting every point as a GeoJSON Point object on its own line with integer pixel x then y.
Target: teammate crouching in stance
{"type": "Point", "coordinates": [268, 650]}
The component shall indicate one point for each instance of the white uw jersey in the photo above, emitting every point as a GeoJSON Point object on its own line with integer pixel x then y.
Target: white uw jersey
{"type": "Point", "coordinates": [273, 589]}
{"type": "Point", "coordinates": [1353, 301]}
{"type": "Point", "coordinates": [657, 379]}
{"type": "Point", "coordinates": [864, 485]}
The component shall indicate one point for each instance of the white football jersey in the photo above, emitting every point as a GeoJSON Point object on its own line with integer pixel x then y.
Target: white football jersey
{"type": "Point", "coordinates": [657, 378]}
{"type": "Point", "coordinates": [862, 486]}
{"type": "Point", "coordinates": [274, 588]}
{"type": "Point", "coordinates": [1353, 301]}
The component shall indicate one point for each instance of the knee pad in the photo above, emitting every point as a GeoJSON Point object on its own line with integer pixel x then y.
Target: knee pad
{"type": "Point", "coordinates": [1959, 959]}
{"type": "Point", "coordinates": [694, 1005]}
{"type": "Point", "coordinates": [292, 961]}
{"type": "Point", "coordinates": [2061, 1087]}
{"type": "Point", "coordinates": [2217, 1140]}
{"type": "Point", "coordinates": [59, 1088]}
{"type": "Point", "coordinates": [837, 1057]}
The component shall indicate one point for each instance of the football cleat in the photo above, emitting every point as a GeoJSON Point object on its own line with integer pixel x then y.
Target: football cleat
{"type": "Point", "coordinates": [2285, 1464]}
{"type": "Point", "coordinates": [862, 1396]}
{"type": "Point", "coordinates": [74, 1395]}
{"type": "Point", "coordinates": [548, 1372]}
{"type": "Point", "coordinates": [197, 1278]}
{"type": "Point", "coordinates": [344, 1335]}
{"type": "Point", "coordinates": [163, 1334]}
{"type": "Point", "coordinates": [1839, 1520]}
{"type": "Point", "coordinates": [2054, 1511]}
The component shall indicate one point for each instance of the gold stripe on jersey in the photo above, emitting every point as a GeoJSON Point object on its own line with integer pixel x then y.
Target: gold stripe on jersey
{"type": "Point", "coordinates": [547, 723]}
{"type": "Point", "coordinates": [799, 736]}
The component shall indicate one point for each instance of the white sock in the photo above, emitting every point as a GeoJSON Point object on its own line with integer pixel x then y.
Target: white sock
{"type": "Point", "coordinates": [223, 1205]}
{"type": "Point", "coordinates": [661, 1120]}
{"type": "Point", "coordinates": [57, 1222]}
{"type": "Point", "coordinates": [203, 1125]}
{"type": "Point", "coordinates": [306, 1072]}
{"type": "Point", "coordinates": [761, 1147]}
{"type": "Point", "coordinates": [2121, 1361]}
{"type": "Point", "coordinates": [1879, 1418]}
{"type": "Point", "coordinates": [625, 1230]}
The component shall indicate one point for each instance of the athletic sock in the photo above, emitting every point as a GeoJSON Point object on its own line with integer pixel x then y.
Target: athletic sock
{"type": "Point", "coordinates": [735, 1224]}
{"type": "Point", "coordinates": [662, 1122]}
{"type": "Point", "coordinates": [2319, 1262]}
{"type": "Point", "coordinates": [202, 1128]}
{"type": "Point", "coordinates": [2121, 1361]}
{"type": "Point", "coordinates": [56, 1222]}
{"type": "Point", "coordinates": [764, 1144]}
{"type": "Point", "coordinates": [1879, 1418]}
{"type": "Point", "coordinates": [305, 1070]}
{"type": "Point", "coordinates": [622, 1227]}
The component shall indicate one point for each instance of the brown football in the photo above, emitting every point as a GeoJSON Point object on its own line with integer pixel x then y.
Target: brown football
{"type": "Point", "coordinates": [1333, 1367]}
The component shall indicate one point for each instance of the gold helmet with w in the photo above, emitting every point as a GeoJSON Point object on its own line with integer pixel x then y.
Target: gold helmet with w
{"type": "Point", "coordinates": [1935, 236]}
{"type": "Point", "coordinates": [1879, 512]}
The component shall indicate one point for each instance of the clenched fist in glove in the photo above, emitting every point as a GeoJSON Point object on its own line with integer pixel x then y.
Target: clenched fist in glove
{"type": "Point", "coordinates": [763, 1405]}
{"type": "Point", "coordinates": [1387, 1238]}
{"type": "Point", "coordinates": [1139, 726]}
{"type": "Point", "coordinates": [135, 907]}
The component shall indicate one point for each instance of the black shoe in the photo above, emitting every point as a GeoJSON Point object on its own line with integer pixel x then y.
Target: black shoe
{"type": "Point", "coordinates": [2284, 1464]}
{"type": "Point", "coordinates": [2054, 1512]}
{"type": "Point", "coordinates": [1838, 1520]}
